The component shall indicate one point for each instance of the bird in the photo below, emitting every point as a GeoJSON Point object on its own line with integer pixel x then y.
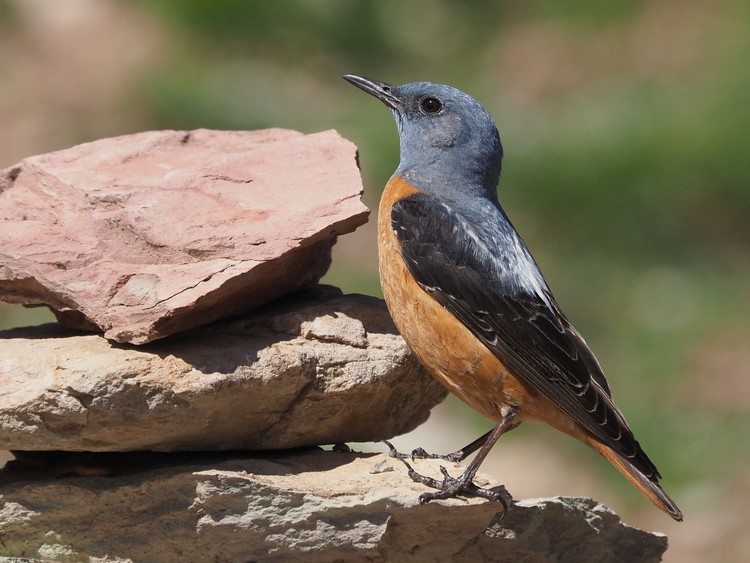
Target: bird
{"type": "Point", "coordinates": [470, 300]}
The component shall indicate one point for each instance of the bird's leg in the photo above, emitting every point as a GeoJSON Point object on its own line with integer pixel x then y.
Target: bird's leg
{"type": "Point", "coordinates": [451, 486]}
{"type": "Point", "coordinates": [458, 455]}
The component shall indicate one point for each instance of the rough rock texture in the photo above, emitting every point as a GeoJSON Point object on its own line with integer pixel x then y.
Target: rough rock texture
{"type": "Point", "coordinates": [146, 235]}
{"type": "Point", "coordinates": [316, 368]}
{"type": "Point", "coordinates": [307, 505]}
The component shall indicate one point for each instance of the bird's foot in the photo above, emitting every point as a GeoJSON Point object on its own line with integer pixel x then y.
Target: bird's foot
{"type": "Point", "coordinates": [420, 453]}
{"type": "Point", "coordinates": [452, 486]}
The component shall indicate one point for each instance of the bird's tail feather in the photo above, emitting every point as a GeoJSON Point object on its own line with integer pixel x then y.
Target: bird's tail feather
{"type": "Point", "coordinates": [650, 489]}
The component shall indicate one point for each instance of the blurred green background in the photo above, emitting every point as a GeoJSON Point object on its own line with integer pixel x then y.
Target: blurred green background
{"type": "Point", "coordinates": [626, 128]}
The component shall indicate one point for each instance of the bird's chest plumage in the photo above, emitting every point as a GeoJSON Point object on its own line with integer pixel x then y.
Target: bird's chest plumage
{"type": "Point", "coordinates": [448, 349]}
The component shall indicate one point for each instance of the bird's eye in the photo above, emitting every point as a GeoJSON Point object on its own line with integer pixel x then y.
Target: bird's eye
{"type": "Point", "coordinates": [430, 105]}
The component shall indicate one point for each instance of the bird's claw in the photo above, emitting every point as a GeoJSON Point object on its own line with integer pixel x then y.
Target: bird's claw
{"type": "Point", "coordinates": [393, 452]}
{"type": "Point", "coordinates": [452, 486]}
{"type": "Point", "coordinates": [420, 453]}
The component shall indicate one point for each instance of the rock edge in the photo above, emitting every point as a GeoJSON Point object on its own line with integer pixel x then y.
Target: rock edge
{"type": "Point", "coordinates": [311, 504]}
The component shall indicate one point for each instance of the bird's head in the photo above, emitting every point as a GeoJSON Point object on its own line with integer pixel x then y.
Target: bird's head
{"type": "Point", "coordinates": [447, 137]}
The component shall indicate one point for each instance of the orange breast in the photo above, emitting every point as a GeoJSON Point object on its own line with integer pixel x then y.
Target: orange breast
{"type": "Point", "coordinates": [447, 349]}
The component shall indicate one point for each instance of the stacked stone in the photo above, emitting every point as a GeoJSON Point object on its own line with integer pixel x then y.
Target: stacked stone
{"type": "Point", "coordinates": [157, 420]}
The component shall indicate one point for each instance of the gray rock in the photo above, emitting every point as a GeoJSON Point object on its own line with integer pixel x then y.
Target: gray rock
{"type": "Point", "coordinates": [308, 371]}
{"type": "Point", "coordinates": [146, 235]}
{"type": "Point", "coordinates": [307, 505]}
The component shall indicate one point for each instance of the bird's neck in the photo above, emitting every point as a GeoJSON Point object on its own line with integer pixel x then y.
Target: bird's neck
{"type": "Point", "coordinates": [449, 179]}
{"type": "Point", "coordinates": [470, 164]}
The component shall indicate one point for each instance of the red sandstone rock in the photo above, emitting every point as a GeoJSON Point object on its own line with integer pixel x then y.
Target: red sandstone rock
{"type": "Point", "coordinates": [145, 235]}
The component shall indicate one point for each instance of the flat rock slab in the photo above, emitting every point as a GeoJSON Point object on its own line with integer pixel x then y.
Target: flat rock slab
{"type": "Point", "coordinates": [311, 370]}
{"type": "Point", "coordinates": [145, 235]}
{"type": "Point", "coordinates": [308, 505]}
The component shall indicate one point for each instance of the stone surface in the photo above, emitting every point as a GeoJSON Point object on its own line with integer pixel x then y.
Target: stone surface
{"type": "Point", "coordinates": [146, 235]}
{"type": "Point", "coordinates": [316, 368]}
{"type": "Point", "coordinates": [307, 505]}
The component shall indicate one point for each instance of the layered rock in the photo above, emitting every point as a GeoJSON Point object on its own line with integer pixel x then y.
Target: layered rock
{"type": "Point", "coordinates": [309, 505]}
{"type": "Point", "coordinates": [314, 369]}
{"type": "Point", "coordinates": [147, 235]}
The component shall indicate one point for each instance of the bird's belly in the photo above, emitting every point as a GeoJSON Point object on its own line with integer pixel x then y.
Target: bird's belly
{"type": "Point", "coordinates": [442, 344]}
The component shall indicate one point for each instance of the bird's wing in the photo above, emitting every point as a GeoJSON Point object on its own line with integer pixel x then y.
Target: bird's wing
{"type": "Point", "coordinates": [495, 289]}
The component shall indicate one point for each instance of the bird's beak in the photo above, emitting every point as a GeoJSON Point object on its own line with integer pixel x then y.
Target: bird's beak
{"type": "Point", "coordinates": [381, 90]}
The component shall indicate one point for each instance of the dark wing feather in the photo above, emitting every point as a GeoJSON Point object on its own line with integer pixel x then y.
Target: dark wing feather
{"type": "Point", "coordinates": [485, 277]}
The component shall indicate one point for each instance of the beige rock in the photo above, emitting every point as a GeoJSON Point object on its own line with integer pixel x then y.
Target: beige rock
{"type": "Point", "coordinates": [147, 235]}
{"type": "Point", "coordinates": [306, 371]}
{"type": "Point", "coordinates": [309, 506]}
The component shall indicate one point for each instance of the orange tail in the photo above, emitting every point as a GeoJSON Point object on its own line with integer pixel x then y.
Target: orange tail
{"type": "Point", "coordinates": [651, 490]}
